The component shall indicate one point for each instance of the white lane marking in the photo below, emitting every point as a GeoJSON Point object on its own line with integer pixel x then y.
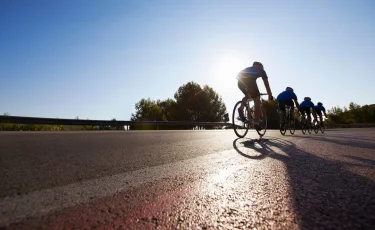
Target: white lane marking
{"type": "Point", "coordinates": [14, 209]}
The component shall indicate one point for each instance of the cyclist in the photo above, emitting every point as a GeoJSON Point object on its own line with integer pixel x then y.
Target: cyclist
{"type": "Point", "coordinates": [287, 97]}
{"type": "Point", "coordinates": [318, 109]}
{"type": "Point", "coordinates": [306, 107]}
{"type": "Point", "coordinates": [247, 84]}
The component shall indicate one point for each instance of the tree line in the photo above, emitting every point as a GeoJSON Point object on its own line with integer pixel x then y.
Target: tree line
{"type": "Point", "coordinates": [352, 114]}
{"type": "Point", "coordinates": [37, 127]}
{"type": "Point", "coordinates": [201, 104]}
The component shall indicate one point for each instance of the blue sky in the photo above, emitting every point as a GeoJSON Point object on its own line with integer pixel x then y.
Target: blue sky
{"type": "Point", "coordinates": [96, 59]}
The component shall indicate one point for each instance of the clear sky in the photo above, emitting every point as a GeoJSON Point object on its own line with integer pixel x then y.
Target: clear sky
{"type": "Point", "coordinates": [96, 59]}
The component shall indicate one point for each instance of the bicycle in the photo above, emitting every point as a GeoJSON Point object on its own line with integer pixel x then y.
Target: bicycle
{"type": "Point", "coordinates": [242, 127]}
{"type": "Point", "coordinates": [305, 127]}
{"type": "Point", "coordinates": [317, 126]}
{"type": "Point", "coordinates": [285, 119]}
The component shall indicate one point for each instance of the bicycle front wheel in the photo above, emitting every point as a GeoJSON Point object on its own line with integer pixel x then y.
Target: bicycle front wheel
{"type": "Point", "coordinates": [262, 122]}
{"type": "Point", "coordinates": [240, 127]}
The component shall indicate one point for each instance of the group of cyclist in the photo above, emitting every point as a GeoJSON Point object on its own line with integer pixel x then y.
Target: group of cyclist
{"type": "Point", "coordinates": [247, 84]}
{"type": "Point", "coordinates": [306, 107]}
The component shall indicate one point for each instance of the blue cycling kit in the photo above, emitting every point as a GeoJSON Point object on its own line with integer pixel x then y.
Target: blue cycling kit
{"type": "Point", "coordinates": [306, 104]}
{"type": "Point", "coordinates": [287, 95]}
{"type": "Point", "coordinates": [252, 73]}
{"type": "Point", "coordinates": [320, 107]}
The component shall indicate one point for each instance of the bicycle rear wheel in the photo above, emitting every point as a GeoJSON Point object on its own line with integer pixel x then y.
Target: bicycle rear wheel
{"type": "Point", "coordinates": [240, 128]}
{"type": "Point", "coordinates": [309, 128]}
{"type": "Point", "coordinates": [304, 128]}
{"type": "Point", "coordinates": [292, 126]}
{"type": "Point", "coordinates": [262, 122]}
{"type": "Point", "coordinates": [322, 129]}
{"type": "Point", "coordinates": [316, 127]}
{"type": "Point", "coordinates": [282, 121]}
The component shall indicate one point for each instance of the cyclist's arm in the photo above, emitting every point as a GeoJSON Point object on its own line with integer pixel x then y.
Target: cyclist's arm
{"type": "Point", "coordinates": [325, 113]}
{"type": "Point", "coordinates": [267, 85]}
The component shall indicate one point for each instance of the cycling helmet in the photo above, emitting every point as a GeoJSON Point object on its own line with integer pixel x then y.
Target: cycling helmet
{"type": "Point", "coordinates": [289, 88]}
{"type": "Point", "coordinates": [319, 103]}
{"type": "Point", "coordinates": [256, 63]}
{"type": "Point", "coordinates": [307, 98]}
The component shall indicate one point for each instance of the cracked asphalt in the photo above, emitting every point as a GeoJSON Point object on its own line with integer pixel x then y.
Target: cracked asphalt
{"type": "Point", "coordinates": [187, 180]}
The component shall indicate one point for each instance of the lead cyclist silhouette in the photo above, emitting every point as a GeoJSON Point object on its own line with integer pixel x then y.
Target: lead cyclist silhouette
{"type": "Point", "coordinates": [248, 85]}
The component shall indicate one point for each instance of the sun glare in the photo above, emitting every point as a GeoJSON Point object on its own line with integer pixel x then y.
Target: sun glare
{"type": "Point", "coordinates": [226, 68]}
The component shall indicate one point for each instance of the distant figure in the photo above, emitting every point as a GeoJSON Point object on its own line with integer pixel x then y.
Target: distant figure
{"type": "Point", "coordinates": [306, 107]}
{"type": "Point", "coordinates": [248, 85]}
{"type": "Point", "coordinates": [287, 97]}
{"type": "Point", "coordinates": [318, 109]}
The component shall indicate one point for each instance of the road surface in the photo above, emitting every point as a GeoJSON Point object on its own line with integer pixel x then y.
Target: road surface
{"type": "Point", "coordinates": [187, 180]}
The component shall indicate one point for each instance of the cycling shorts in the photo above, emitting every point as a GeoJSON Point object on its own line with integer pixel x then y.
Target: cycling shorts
{"type": "Point", "coordinates": [305, 110]}
{"type": "Point", "coordinates": [252, 87]}
{"type": "Point", "coordinates": [318, 111]}
{"type": "Point", "coordinates": [282, 103]}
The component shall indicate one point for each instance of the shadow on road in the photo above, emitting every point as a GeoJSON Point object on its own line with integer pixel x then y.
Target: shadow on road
{"type": "Point", "coordinates": [352, 141]}
{"type": "Point", "coordinates": [325, 194]}
{"type": "Point", "coordinates": [258, 148]}
{"type": "Point", "coordinates": [364, 161]}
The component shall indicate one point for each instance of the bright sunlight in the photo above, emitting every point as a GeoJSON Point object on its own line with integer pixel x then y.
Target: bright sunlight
{"type": "Point", "coordinates": [225, 69]}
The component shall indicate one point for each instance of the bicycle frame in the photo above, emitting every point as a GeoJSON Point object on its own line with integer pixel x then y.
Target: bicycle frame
{"type": "Point", "coordinates": [251, 109]}
{"type": "Point", "coordinates": [285, 119]}
{"type": "Point", "coordinates": [304, 123]}
{"type": "Point", "coordinates": [249, 124]}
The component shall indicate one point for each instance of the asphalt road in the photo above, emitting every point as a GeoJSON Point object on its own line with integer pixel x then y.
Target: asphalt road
{"type": "Point", "coordinates": [187, 180]}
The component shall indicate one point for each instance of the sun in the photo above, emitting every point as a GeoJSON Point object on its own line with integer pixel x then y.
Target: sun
{"type": "Point", "coordinates": [226, 68]}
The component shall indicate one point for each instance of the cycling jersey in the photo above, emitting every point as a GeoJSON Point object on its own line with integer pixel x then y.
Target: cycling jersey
{"type": "Point", "coordinates": [306, 104]}
{"type": "Point", "coordinates": [320, 107]}
{"type": "Point", "coordinates": [253, 73]}
{"type": "Point", "coordinates": [287, 95]}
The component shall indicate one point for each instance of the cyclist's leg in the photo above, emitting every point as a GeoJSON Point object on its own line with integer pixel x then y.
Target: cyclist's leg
{"type": "Point", "coordinates": [242, 87]}
{"type": "Point", "coordinates": [257, 111]}
{"type": "Point", "coordinates": [281, 106]}
{"type": "Point", "coordinates": [291, 111]}
{"type": "Point", "coordinates": [253, 91]}
{"type": "Point", "coordinates": [308, 112]}
{"type": "Point", "coordinates": [319, 112]}
{"type": "Point", "coordinates": [302, 112]}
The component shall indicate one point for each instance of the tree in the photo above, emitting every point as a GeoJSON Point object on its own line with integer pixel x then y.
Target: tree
{"type": "Point", "coordinates": [197, 104]}
{"type": "Point", "coordinates": [192, 103]}
{"type": "Point", "coordinates": [169, 109]}
{"type": "Point", "coordinates": [335, 115]}
{"type": "Point", "coordinates": [148, 110]}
